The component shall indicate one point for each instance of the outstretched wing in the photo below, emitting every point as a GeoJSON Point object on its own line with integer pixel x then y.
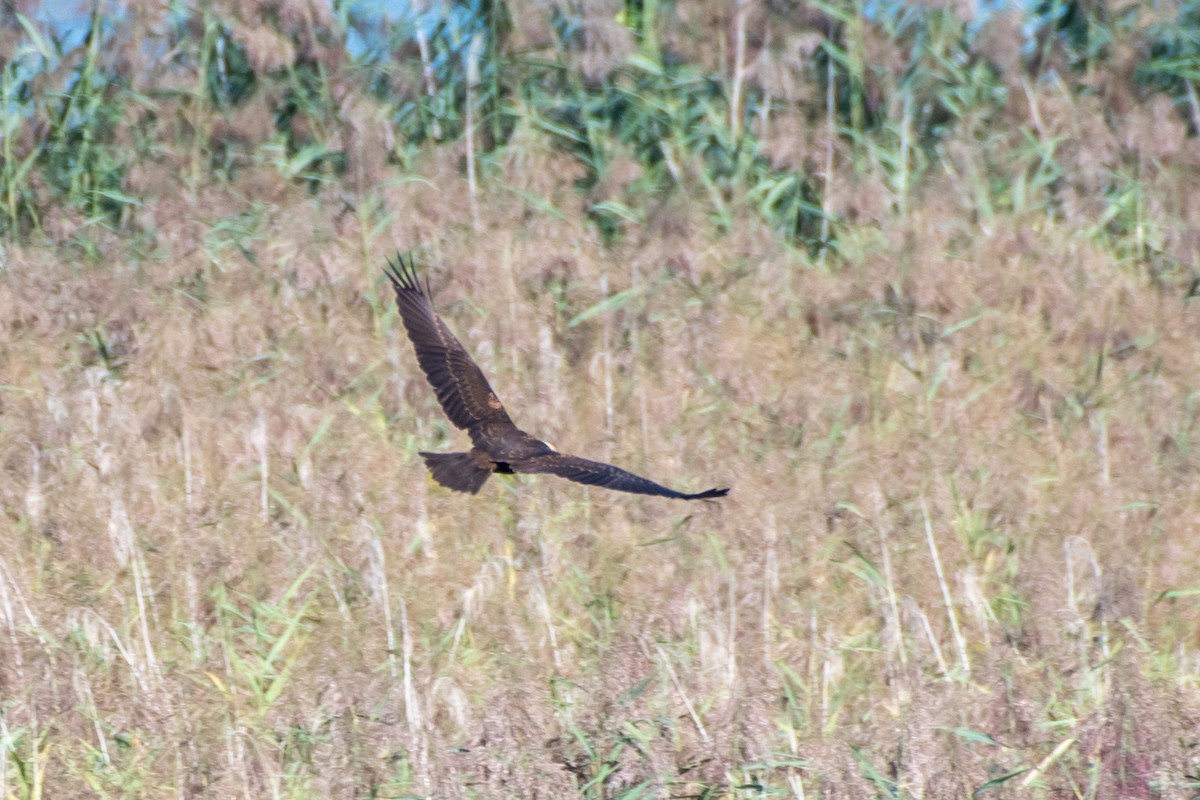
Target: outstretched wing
{"type": "Point", "coordinates": [457, 381]}
{"type": "Point", "coordinates": [595, 473]}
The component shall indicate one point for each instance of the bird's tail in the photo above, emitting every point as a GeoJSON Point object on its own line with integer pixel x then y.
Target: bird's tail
{"type": "Point", "coordinates": [457, 471]}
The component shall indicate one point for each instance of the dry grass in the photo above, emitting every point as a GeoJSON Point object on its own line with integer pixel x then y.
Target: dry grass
{"type": "Point", "coordinates": [959, 556]}
{"type": "Point", "coordinates": [963, 477]}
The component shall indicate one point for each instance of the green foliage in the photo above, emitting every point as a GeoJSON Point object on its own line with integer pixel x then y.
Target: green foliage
{"type": "Point", "coordinates": [262, 641]}
{"type": "Point", "coordinates": [15, 106]}
{"type": "Point", "coordinates": [76, 153]}
{"type": "Point", "coordinates": [673, 119]}
{"type": "Point", "coordinates": [81, 162]}
{"type": "Point", "coordinates": [224, 69]}
{"type": "Point", "coordinates": [1174, 63]}
{"type": "Point", "coordinates": [454, 77]}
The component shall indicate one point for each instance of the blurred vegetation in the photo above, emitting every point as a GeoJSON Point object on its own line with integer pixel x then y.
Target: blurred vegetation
{"type": "Point", "coordinates": [761, 105]}
{"type": "Point", "coordinates": [917, 279]}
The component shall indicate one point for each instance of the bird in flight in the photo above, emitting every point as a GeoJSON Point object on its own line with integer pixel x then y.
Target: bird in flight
{"type": "Point", "coordinates": [469, 403]}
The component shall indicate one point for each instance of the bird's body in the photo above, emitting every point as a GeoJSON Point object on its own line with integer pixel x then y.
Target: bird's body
{"type": "Point", "coordinates": [470, 404]}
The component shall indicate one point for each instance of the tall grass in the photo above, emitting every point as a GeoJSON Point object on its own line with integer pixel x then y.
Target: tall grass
{"type": "Point", "coordinates": [919, 287]}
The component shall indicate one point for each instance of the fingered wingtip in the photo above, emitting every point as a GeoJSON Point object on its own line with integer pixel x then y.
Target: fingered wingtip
{"type": "Point", "coordinates": [709, 495]}
{"type": "Point", "coordinates": [402, 275]}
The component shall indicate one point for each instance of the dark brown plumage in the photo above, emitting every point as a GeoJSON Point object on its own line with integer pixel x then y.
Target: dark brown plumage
{"type": "Point", "coordinates": [470, 403]}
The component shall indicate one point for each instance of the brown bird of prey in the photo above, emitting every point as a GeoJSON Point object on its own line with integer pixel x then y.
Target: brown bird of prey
{"type": "Point", "coordinates": [469, 402]}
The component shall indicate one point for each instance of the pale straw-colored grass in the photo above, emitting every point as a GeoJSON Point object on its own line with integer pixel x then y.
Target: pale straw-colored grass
{"type": "Point", "coordinates": [959, 553]}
